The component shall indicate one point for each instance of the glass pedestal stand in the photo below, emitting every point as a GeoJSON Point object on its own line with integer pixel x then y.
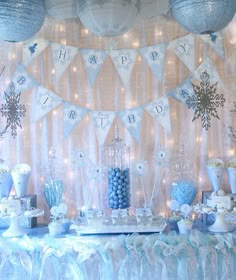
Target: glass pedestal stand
{"type": "Point", "coordinates": [15, 229]}
{"type": "Point", "coordinates": [220, 225]}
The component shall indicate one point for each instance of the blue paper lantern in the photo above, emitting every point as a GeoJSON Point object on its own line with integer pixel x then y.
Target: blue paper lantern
{"type": "Point", "coordinates": [20, 19]}
{"type": "Point", "coordinates": [203, 16]}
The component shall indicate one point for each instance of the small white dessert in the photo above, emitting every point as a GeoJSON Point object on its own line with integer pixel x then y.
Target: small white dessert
{"type": "Point", "coordinates": [185, 226]}
{"type": "Point", "coordinates": [10, 205]}
{"type": "Point", "coordinates": [220, 200]}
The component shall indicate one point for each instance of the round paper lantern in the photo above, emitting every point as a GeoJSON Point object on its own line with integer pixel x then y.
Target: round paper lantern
{"type": "Point", "coordinates": [108, 17]}
{"type": "Point", "coordinates": [61, 9]}
{"type": "Point", "coordinates": [20, 19]}
{"type": "Point", "coordinates": [153, 8]}
{"type": "Point", "coordinates": [203, 16]}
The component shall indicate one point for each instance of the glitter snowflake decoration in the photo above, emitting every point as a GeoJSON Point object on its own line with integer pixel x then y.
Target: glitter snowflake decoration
{"type": "Point", "coordinates": [206, 101]}
{"type": "Point", "coordinates": [79, 158]}
{"type": "Point", "coordinates": [231, 132]}
{"type": "Point", "coordinates": [13, 111]}
{"type": "Point", "coordinates": [97, 172]}
{"type": "Point", "coordinates": [161, 157]}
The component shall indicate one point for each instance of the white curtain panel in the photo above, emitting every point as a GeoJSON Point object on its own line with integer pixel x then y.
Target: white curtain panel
{"type": "Point", "coordinates": [35, 140]}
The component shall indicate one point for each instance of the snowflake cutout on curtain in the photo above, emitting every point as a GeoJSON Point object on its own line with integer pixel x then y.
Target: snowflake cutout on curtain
{"type": "Point", "coordinates": [13, 111]}
{"type": "Point", "coordinates": [206, 101]}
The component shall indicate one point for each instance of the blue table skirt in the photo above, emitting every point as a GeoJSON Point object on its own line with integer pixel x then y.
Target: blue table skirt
{"type": "Point", "coordinates": [155, 256]}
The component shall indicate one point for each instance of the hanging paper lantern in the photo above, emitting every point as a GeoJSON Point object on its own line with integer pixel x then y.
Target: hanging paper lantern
{"type": "Point", "coordinates": [61, 9]}
{"type": "Point", "coordinates": [108, 17]}
{"type": "Point", "coordinates": [203, 16]}
{"type": "Point", "coordinates": [153, 8]}
{"type": "Point", "coordinates": [20, 19]}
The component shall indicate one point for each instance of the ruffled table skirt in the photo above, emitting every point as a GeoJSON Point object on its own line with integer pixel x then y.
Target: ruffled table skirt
{"type": "Point", "coordinates": [132, 257]}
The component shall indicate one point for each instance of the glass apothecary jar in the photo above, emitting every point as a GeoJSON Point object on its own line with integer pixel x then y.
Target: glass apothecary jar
{"type": "Point", "coordinates": [183, 185]}
{"type": "Point", "coordinates": [117, 161]}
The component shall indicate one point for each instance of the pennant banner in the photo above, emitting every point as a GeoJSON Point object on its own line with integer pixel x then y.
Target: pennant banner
{"type": "Point", "coordinates": [72, 116]}
{"type": "Point", "coordinates": [155, 57]}
{"type": "Point", "coordinates": [124, 62]}
{"type": "Point", "coordinates": [208, 66]}
{"type": "Point", "coordinates": [45, 101]}
{"type": "Point", "coordinates": [160, 110]}
{"type": "Point", "coordinates": [184, 48]}
{"type": "Point", "coordinates": [132, 120]}
{"type": "Point", "coordinates": [33, 48]}
{"type": "Point", "coordinates": [22, 80]}
{"type": "Point", "coordinates": [183, 91]}
{"type": "Point", "coordinates": [216, 41]}
{"type": "Point", "coordinates": [62, 57]}
{"type": "Point", "coordinates": [93, 60]}
{"type": "Point", "coordinates": [102, 121]}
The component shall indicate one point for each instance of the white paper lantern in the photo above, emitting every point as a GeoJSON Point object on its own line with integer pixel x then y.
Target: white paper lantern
{"type": "Point", "coordinates": [108, 17]}
{"type": "Point", "coordinates": [20, 19]}
{"type": "Point", "coordinates": [61, 9]}
{"type": "Point", "coordinates": [203, 16]}
{"type": "Point", "coordinates": [153, 8]}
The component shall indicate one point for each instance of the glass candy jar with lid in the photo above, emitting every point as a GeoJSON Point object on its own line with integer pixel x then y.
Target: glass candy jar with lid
{"type": "Point", "coordinates": [183, 187]}
{"type": "Point", "coordinates": [117, 160]}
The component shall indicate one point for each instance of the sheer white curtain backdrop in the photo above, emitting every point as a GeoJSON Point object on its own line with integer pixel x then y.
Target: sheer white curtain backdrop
{"type": "Point", "coordinates": [35, 139]}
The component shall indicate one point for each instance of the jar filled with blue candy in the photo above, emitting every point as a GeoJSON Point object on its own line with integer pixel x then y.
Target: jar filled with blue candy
{"type": "Point", "coordinates": [183, 186]}
{"type": "Point", "coordinates": [117, 158]}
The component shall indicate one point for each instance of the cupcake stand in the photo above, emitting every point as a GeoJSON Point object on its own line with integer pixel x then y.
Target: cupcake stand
{"type": "Point", "coordinates": [220, 225]}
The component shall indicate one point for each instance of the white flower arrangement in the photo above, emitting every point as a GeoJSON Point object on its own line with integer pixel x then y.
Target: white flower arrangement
{"type": "Point", "coordinates": [215, 162]}
{"type": "Point", "coordinates": [58, 212]}
{"type": "Point", "coordinates": [59, 224]}
{"type": "Point", "coordinates": [231, 164]}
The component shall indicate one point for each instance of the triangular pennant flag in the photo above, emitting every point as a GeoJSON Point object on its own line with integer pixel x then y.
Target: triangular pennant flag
{"type": "Point", "coordinates": [160, 111]}
{"type": "Point", "coordinates": [208, 66]}
{"type": "Point", "coordinates": [155, 57]}
{"type": "Point", "coordinates": [33, 48]}
{"type": "Point", "coordinates": [216, 41]}
{"type": "Point", "coordinates": [72, 115]}
{"type": "Point", "coordinates": [62, 57]}
{"type": "Point", "coordinates": [45, 101]}
{"type": "Point", "coordinates": [93, 60]}
{"type": "Point", "coordinates": [102, 121]}
{"type": "Point", "coordinates": [124, 62]}
{"type": "Point", "coordinates": [22, 80]}
{"type": "Point", "coordinates": [184, 48]}
{"type": "Point", "coordinates": [183, 91]}
{"type": "Point", "coordinates": [132, 120]}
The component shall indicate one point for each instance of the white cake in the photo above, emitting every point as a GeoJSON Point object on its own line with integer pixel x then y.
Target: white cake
{"type": "Point", "coordinates": [220, 200]}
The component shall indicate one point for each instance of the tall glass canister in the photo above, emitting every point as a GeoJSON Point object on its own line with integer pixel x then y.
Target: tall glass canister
{"type": "Point", "coordinates": [117, 160]}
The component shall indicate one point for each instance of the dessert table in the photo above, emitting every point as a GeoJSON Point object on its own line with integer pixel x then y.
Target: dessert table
{"type": "Point", "coordinates": [148, 256]}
